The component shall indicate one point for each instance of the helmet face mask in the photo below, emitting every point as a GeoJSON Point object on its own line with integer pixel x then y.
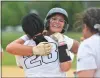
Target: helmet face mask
{"type": "Point", "coordinates": [53, 12]}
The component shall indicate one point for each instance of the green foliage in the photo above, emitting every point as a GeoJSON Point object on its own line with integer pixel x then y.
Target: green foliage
{"type": "Point", "coordinates": [74, 35]}
{"type": "Point", "coordinates": [12, 12]}
{"type": "Point", "coordinates": [74, 62]}
{"type": "Point", "coordinates": [8, 59]}
{"type": "Point", "coordinates": [41, 6]}
{"type": "Point", "coordinates": [8, 37]}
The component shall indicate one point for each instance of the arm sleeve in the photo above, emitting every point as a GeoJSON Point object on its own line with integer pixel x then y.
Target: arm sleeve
{"type": "Point", "coordinates": [85, 58]}
{"type": "Point", "coordinates": [24, 37]}
{"type": "Point", "coordinates": [69, 42]}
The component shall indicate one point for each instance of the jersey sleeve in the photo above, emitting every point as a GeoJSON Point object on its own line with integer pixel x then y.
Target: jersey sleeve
{"type": "Point", "coordinates": [17, 60]}
{"type": "Point", "coordinates": [24, 37]}
{"type": "Point", "coordinates": [85, 58]}
{"type": "Point", "coordinates": [72, 56]}
{"type": "Point", "coordinates": [69, 42]}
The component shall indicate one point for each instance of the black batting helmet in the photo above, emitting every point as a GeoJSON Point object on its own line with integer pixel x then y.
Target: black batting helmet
{"type": "Point", "coordinates": [32, 24]}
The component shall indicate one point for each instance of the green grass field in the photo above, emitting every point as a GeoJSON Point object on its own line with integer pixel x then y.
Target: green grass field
{"type": "Point", "coordinates": [9, 59]}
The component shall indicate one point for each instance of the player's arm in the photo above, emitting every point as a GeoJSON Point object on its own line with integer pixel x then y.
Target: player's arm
{"type": "Point", "coordinates": [75, 46]}
{"type": "Point", "coordinates": [86, 73]}
{"type": "Point", "coordinates": [17, 48]}
{"type": "Point", "coordinates": [65, 66]}
{"type": "Point", "coordinates": [64, 57]}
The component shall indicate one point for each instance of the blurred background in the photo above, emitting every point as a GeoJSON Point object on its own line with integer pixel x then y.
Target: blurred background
{"type": "Point", "coordinates": [13, 11]}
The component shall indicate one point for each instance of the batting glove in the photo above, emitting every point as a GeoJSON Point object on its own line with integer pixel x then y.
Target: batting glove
{"type": "Point", "coordinates": [62, 47]}
{"type": "Point", "coordinates": [43, 48]}
{"type": "Point", "coordinates": [59, 38]}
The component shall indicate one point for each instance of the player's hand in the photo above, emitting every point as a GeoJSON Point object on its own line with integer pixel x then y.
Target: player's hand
{"type": "Point", "coordinates": [20, 67]}
{"type": "Point", "coordinates": [43, 48]}
{"type": "Point", "coordinates": [82, 38]}
{"type": "Point", "coordinates": [58, 37]}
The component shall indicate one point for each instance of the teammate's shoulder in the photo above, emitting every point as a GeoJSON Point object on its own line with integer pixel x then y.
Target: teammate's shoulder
{"type": "Point", "coordinates": [29, 42]}
{"type": "Point", "coordinates": [87, 43]}
{"type": "Point", "coordinates": [48, 38]}
{"type": "Point", "coordinates": [91, 40]}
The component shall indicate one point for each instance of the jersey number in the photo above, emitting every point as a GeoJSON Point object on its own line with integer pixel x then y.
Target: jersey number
{"type": "Point", "coordinates": [34, 61]}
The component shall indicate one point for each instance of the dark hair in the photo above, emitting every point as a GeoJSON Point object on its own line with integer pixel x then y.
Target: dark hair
{"type": "Point", "coordinates": [91, 17]}
{"type": "Point", "coordinates": [32, 24]}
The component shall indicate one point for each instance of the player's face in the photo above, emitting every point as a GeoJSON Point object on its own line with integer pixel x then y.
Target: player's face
{"type": "Point", "coordinates": [85, 31]}
{"type": "Point", "coordinates": [57, 23]}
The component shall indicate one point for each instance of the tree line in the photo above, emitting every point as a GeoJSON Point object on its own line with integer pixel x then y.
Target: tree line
{"type": "Point", "coordinates": [13, 11]}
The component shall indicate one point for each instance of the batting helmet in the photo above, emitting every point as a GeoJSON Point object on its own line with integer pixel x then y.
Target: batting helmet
{"type": "Point", "coordinates": [54, 11]}
{"type": "Point", "coordinates": [32, 24]}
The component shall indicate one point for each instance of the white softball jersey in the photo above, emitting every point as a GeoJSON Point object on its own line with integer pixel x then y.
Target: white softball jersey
{"type": "Point", "coordinates": [43, 66]}
{"type": "Point", "coordinates": [25, 38]}
{"type": "Point", "coordinates": [88, 56]}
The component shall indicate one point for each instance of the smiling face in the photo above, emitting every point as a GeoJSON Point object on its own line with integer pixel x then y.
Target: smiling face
{"type": "Point", "coordinates": [56, 23]}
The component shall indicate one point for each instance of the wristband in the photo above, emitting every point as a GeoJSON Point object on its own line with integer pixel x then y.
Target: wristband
{"type": "Point", "coordinates": [63, 56]}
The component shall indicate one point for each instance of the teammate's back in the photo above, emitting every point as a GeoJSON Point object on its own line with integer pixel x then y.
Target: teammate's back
{"type": "Point", "coordinates": [42, 66]}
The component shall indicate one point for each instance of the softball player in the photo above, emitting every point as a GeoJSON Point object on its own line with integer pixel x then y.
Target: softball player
{"type": "Point", "coordinates": [45, 62]}
{"type": "Point", "coordinates": [51, 19]}
{"type": "Point", "coordinates": [88, 58]}
{"type": "Point", "coordinates": [51, 25]}
{"type": "Point", "coordinates": [56, 21]}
